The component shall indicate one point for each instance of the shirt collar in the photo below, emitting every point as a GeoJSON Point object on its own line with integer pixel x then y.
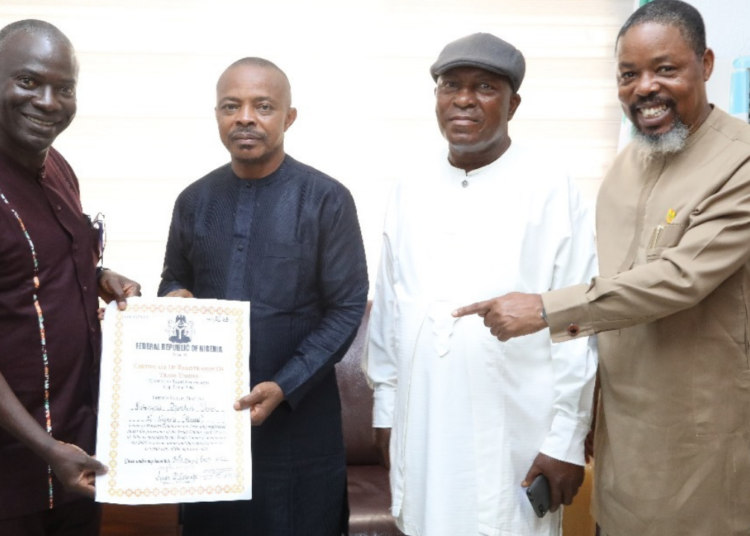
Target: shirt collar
{"type": "Point", "coordinates": [488, 170]}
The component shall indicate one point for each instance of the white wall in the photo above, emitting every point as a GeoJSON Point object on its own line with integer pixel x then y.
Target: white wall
{"type": "Point", "coordinates": [359, 70]}
{"type": "Point", "coordinates": [728, 35]}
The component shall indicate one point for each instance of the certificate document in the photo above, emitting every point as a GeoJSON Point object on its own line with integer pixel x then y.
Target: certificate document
{"type": "Point", "coordinates": [171, 371]}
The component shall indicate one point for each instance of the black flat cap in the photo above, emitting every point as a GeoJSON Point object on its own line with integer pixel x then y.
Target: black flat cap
{"type": "Point", "coordinates": [484, 51]}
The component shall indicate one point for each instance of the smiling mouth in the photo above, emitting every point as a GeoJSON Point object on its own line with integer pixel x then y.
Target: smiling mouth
{"type": "Point", "coordinates": [653, 111]}
{"type": "Point", "coordinates": [40, 122]}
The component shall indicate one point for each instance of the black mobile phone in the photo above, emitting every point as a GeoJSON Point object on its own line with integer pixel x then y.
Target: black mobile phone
{"type": "Point", "coordinates": [539, 495]}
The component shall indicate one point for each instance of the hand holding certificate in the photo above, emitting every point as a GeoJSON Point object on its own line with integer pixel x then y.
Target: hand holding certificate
{"type": "Point", "coordinates": [171, 371]}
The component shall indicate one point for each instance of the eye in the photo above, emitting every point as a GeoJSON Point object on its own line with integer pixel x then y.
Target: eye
{"type": "Point", "coordinates": [229, 107]}
{"type": "Point", "coordinates": [265, 107]}
{"type": "Point", "coordinates": [666, 69]}
{"type": "Point", "coordinates": [626, 76]}
{"type": "Point", "coordinates": [68, 91]}
{"type": "Point", "coordinates": [26, 82]}
{"type": "Point", "coordinates": [484, 86]}
{"type": "Point", "coordinates": [448, 86]}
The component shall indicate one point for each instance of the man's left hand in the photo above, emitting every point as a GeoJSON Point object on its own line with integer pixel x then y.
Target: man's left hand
{"type": "Point", "coordinates": [564, 479]}
{"type": "Point", "coordinates": [261, 401]}
{"type": "Point", "coordinates": [113, 286]}
{"type": "Point", "coordinates": [75, 469]}
{"type": "Point", "coordinates": [513, 315]}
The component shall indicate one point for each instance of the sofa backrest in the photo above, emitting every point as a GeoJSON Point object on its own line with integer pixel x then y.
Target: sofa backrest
{"type": "Point", "coordinates": [356, 402]}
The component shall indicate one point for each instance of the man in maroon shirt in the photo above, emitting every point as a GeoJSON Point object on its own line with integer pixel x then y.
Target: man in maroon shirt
{"type": "Point", "coordinates": [48, 296]}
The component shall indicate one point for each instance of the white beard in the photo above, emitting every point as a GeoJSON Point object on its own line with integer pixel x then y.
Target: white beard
{"type": "Point", "coordinates": [656, 145]}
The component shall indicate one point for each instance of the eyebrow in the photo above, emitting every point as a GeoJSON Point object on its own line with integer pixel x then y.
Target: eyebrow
{"type": "Point", "coordinates": [256, 99]}
{"type": "Point", "coordinates": [38, 74]}
{"type": "Point", "coordinates": [657, 59]}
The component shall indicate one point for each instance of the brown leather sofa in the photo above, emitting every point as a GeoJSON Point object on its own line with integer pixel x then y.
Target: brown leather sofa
{"type": "Point", "coordinates": [369, 491]}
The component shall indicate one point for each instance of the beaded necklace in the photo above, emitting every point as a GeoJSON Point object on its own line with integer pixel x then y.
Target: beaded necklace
{"type": "Point", "coordinates": [42, 335]}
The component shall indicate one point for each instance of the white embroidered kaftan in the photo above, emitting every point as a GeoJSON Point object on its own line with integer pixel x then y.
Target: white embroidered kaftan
{"type": "Point", "coordinates": [468, 413]}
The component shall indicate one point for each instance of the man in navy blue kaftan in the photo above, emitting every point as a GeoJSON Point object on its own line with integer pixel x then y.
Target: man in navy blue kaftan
{"type": "Point", "coordinates": [268, 229]}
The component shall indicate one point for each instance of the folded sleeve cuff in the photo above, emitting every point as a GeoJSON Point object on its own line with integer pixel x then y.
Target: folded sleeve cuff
{"type": "Point", "coordinates": [568, 314]}
{"type": "Point", "coordinates": [382, 411]}
{"type": "Point", "coordinates": [565, 440]}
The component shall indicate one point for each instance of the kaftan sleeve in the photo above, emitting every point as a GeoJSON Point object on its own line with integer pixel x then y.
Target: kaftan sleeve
{"type": "Point", "coordinates": [343, 290]}
{"type": "Point", "coordinates": [379, 359]}
{"type": "Point", "coordinates": [712, 248]}
{"type": "Point", "coordinates": [574, 363]}
{"type": "Point", "coordinates": [177, 273]}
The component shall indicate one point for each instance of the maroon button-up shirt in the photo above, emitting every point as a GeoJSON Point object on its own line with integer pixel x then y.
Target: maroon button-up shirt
{"type": "Point", "coordinates": [48, 203]}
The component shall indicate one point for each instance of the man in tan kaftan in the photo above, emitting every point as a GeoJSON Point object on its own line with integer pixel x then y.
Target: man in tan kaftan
{"type": "Point", "coordinates": [672, 303]}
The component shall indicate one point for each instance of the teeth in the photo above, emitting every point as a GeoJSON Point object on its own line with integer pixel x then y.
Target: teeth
{"type": "Point", "coordinates": [40, 122]}
{"type": "Point", "coordinates": [653, 112]}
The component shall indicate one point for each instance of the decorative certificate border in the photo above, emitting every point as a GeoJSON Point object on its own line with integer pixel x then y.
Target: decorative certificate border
{"type": "Point", "coordinates": [181, 490]}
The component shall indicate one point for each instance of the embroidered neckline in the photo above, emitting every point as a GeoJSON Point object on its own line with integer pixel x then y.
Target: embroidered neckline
{"type": "Point", "coordinates": [42, 333]}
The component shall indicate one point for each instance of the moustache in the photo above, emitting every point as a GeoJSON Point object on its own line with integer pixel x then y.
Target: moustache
{"type": "Point", "coordinates": [246, 134]}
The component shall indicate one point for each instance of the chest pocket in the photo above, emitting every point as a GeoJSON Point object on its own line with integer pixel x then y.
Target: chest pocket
{"type": "Point", "coordinates": [289, 270]}
{"type": "Point", "coordinates": [664, 237]}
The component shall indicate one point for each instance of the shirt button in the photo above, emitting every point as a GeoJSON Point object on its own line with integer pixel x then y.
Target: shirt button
{"type": "Point", "coordinates": [573, 330]}
{"type": "Point", "coordinates": [85, 288]}
{"type": "Point", "coordinates": [240, 247]}
{"type": "Point", "coordinates": [465, 183]}
{"type": "Point", "coordinates": [92, 329]}
{"type": "Point", "coordinates": [59, 207]}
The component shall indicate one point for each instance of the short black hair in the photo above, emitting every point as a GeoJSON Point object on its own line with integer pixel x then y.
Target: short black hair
{"type": "Point", "coordinates": [34, 27]}
{"type": "Point", "coordinates": [257, 62]}
{"type": "Point", "coordinates": [673, 13]}
{"type": "Point", "coordinates": [261, 62]}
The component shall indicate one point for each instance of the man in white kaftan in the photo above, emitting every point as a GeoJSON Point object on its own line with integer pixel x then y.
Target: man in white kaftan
{"type": "Point", "coordinates": [469, 414]}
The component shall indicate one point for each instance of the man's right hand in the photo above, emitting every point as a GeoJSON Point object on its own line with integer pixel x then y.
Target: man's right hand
{"type": "Point", "coordinates": [75, 469]}
{"type": "Point", "coordinates": [383, 443]}
{"type": "Point", "coordinates": [179, 293]}
{"type": "Point", "coordinates": [564, 479]}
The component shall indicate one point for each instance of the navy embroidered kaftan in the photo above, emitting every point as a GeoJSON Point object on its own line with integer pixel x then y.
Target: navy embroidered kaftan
{"type": "Point", "coordinates": [289, 243]}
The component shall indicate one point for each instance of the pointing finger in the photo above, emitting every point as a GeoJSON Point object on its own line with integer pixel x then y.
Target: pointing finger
{"type": "Point", "coordinates": [478, 308]}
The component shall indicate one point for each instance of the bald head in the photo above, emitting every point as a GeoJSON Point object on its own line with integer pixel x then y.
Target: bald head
{"type": "Point", "coordinates": [34, 28]}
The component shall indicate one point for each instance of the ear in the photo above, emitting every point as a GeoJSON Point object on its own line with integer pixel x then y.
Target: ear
{"type": "Point", "coordinates": [515, 102]}
{"type": "Point", "coordinates": [291, 115]}
{"type": "Point", "coordinates": [708, 64]}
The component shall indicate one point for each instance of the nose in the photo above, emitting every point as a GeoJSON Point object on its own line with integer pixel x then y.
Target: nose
{"type": "Point", "coordinates": [464, 98]}
{"type": "Point", "coordinates": [47, 99]}
{"type": "Point", "coordinates": [647, 85]}
{"type": "Point", "coordinates": [246, 115]}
